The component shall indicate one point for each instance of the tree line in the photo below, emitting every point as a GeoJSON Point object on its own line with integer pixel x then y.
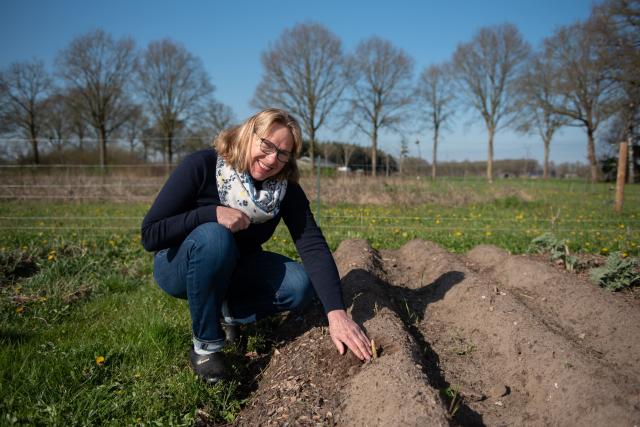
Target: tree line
{"type": "Point", "coordinates": [586, 74]}
{"type": "Point", "coordinates": [102, 88]}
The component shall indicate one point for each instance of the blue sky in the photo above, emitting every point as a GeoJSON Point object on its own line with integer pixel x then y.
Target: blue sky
{"type": "Point", "coordinates": [229, 37]}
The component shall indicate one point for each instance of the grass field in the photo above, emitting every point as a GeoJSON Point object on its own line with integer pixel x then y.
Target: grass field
{"type": "Point", "coordinates": [87, 338]}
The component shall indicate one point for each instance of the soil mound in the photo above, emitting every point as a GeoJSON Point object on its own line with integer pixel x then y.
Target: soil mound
{"type": "Point", "coordinates": [601, 323]}
{"type": "Point", "coordinates": [505, 340]}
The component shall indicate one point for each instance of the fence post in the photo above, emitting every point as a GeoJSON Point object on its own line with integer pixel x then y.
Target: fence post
{"type": "Point", "coordinates": [621, 178]}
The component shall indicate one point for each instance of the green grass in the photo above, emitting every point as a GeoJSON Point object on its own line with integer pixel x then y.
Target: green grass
{"type": "Point", "coordinates": [75, 285]}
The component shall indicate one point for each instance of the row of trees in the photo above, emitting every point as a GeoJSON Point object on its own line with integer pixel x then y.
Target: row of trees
{"type": "Point", "coordinates": [585, 74]}
{"type": "Point", "coordinates": [356, 159]}
{"type": "Point", "coordinates": [103, 88]}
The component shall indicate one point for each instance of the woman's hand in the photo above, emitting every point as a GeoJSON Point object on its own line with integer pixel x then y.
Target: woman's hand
{"type": "Point", "coordinates": [231, 218]}
{"type": "Point", "coordinates": [343, 331]}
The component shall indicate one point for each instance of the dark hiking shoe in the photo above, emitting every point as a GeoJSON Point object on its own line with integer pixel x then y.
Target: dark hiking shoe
{"type": "Point", "coordinates": [210, 368]}
{"type": "Point", "coordinates": [231, 332]}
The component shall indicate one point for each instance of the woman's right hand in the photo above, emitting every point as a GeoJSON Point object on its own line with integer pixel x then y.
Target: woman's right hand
{"type": "Point", "coordinates": [231, 218]}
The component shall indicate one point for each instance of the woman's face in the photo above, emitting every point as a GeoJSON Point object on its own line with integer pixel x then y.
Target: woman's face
{"type": "Point", "coordinates": [268, 151]}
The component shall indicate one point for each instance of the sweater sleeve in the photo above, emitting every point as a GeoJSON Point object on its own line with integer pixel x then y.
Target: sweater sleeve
{"type": "Point", "coordinates": [312, 247]}
{"type": "Point", "coordinates": [175, 213]}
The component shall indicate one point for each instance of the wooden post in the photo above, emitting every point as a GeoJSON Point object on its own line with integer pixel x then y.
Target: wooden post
{"type": "Point", "coordinates": [622, 172]}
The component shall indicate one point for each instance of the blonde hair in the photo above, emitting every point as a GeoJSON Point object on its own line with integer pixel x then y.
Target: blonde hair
{"type": "Point", "coordinates": [234, 144]}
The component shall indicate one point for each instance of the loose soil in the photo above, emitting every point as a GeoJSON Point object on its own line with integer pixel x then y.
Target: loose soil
{"type": "Point", "coordinates": [487, 338]}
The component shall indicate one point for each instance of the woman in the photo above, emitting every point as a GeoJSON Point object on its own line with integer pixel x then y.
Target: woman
{"type": "Point", "coordinates": [207, 226]}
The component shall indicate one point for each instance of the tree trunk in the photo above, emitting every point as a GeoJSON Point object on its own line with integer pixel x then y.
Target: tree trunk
{"type": "Point", "coordinates": [374, 152]}
{"type": "Point", "coordinates": [169, 148]}
{"type": "Point", "coordinates": [435, 154]}
{"type": "Point", "coordinates": [103, 146]}
{"type": "Point", "coordinates": [312, 148]}
{"type": "Point", "coordinates": [545, 173]}
{"type": "Point", "coordinates": [591, 150]}
{"type": "Point", "coordinates": [34, 146]}
{"type": "Point", "coordinates": [490, 156]}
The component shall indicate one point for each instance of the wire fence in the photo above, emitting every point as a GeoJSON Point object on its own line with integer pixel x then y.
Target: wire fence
{"type": "Point", "coordinates": [140, 183]}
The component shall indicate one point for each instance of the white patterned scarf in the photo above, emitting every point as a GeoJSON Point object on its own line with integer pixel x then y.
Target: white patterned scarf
{"type": "Point", "coordinates": [236, 190]}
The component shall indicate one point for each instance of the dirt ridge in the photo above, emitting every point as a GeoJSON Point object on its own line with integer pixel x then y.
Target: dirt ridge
{"type": "Point", "coordinates": [591, 317]}
{"type": "Point", "coordinates": [528, 373]}
{"type": "Point", "coordinates": [444, 320]}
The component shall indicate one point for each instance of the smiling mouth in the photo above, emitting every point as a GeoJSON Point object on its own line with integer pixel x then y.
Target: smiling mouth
{"type": "Point", "coordinates": [263, 166]}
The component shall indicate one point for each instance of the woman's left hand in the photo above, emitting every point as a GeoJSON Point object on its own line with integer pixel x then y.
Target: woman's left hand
{"type": "Point", "coordinates": [343, 331]}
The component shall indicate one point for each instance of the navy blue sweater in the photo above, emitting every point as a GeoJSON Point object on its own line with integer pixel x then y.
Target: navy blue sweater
{"type": "Point", "coordinates": [189, 198]}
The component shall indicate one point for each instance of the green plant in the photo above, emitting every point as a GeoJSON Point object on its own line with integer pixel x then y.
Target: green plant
{"type": "Point", "coordinates": [617, 273]}
{"type": "Point", "coordinates": [453, 394]}
{"type": "Point", "coordinates": [557, 248]}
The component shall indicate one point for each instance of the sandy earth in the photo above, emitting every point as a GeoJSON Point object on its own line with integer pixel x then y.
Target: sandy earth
{"type": "Point", "coordinates": [522, 342]}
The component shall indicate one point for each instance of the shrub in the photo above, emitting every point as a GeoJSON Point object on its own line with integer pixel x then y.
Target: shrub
{"type": "Point", "coordinates": [557, 248]}
{"type": "Point", "coordinates": [617, 273]}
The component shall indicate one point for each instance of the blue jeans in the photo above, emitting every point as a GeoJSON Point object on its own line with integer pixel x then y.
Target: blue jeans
{"type": "Point", "coordinates": [208, 271]}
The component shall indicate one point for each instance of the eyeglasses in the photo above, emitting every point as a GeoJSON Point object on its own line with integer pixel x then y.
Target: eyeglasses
{"type": "Point", "coordinates": [268, 147]}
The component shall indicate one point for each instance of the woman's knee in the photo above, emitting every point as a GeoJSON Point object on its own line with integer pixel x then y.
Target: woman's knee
{"type": "Point", "coordinates": [298, 286]}
{"type": "Point", "coordinates": [213, 241]}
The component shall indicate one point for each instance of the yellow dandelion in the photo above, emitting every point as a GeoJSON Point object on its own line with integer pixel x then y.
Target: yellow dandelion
{"type": "Point", "coordinates": [604, 250]}
{"type": "Point", "coordinates": [100, 360]}
{"type": "Point", "coordinates": [437, 221]}
{"type": "Point", "coordinates": [19, 309]}
{"type": "Point", "coordinates": [458, 233]}
{"type": "Point", "coordinates": [487, 233]}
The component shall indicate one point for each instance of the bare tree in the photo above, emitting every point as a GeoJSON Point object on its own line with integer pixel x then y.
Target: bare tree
{"type": "Point", "coordinates": [380, 77]}
{"type": "Point", "coordinates": [346, 152]}
{"type": "Point", "coordinates": [24, 87]}
{"type": "Point", "coordinates": [581, 78]}
{"type": "Point", "coordinates": [537, 94]}
{"type": "Point", "coordinates": [486, 69]}
{"type": "Point", "coordinates": [436, 96]}
{"type": "Point", "coordinates": [618, 25]}
{"type": "Point", "coordinates": [303, 73]}
{"type": "Point", "coordinates": [56, 127]}
{"type": "Point", "coordinates": [133, 127]}
{"type": "Point", "coordinates": [175, 86]}
{"type": "Point", "coordinates": [98, 70]}
{"type": "Point", "coordinates": [217, 116]}
{"type": "Point", "coordinates": [77, 119]}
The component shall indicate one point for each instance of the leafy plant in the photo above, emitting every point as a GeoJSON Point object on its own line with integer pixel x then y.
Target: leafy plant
{"type": "Point", "coordinates": [557, 248]}
{"type": "Point", "coordinates": [617, 273]}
